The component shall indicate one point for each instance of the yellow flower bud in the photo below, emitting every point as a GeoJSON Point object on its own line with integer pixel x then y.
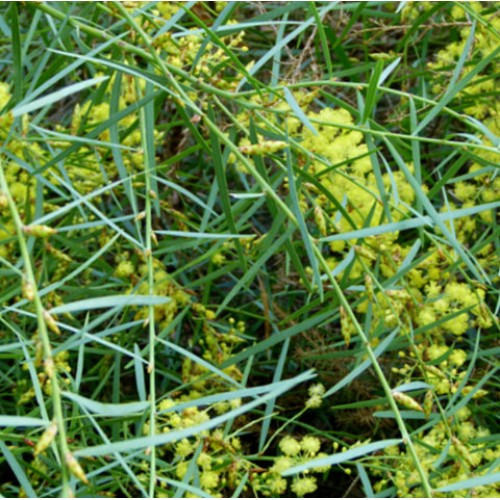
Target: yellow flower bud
{"type": "Point", "coordinates": [398, 294]}
{"type": "Point", "coordinates": [433, 370]}
{"type": "Point", "coordinates": [478, 394]}
{"type": "Point", "coordinates": [428, 402]}
{"type": "Point", "coordinates": [51, 322]}
{"type": "Point", "coordinates": [25, 123]}
{"type": "Point", "coordinates": [75, 468]}
{"type": "Point", "coordinates": [365, 252]}
{"type": "Point", "coordinates": [407, 401]}
{"type": "Point", "coordinates": [49, 367]}
{"type": "Point", "coordinates": [38, 352]}
{"type": "Point", "coordinates": [39, 230]}
{"type": "Point", "coordinates": [369, 288]}
{"type": "Point", "coordinates": [57, 253]}
{"type": "Point", "coordinates": [345, 326]}
{"type": "Point", "coordinates": [46, 438]}
{"type": "Point", "coordinates": [76, 120]}
{"type": "Point", "coordinates": [320, 220]}
{"type": "Point", "coordinates": [28, 290]}
{"type": "Point", "coordinates": [265, 147]}
{"type": "Point", "coordinates": [462, 450]}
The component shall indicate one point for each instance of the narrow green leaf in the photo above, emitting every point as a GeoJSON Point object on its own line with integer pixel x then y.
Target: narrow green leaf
{"type": "Point", "coordinates": [278, 373]}
{"type": "Point", "coordinates": [110, 301]}
{"type": "Point", "coordinates": [197, 492]}
{"type": "Point", "coordinates": [204, 236]}
{"type": "Point", "coordinates": [312, 321]}
{"type": "Point", "coordinates": [250, 392]}
{"type": "Point", "coordinates": [345, 456]}
{"type": "Point", "coordinates": [186, 193]}
{"type": "Point", "coordinates": [471, 483]}
{"type": "Point", "coordinates": [365, 481]}
{"type": "Point", "coordinates": [147, 124]}
{"type": "Point", "coordinates": [220, 174]}
{"type": "Point", "coordinates": [387, 71]}
{"type": "Point", "coordinates": [108, 409]}
{"type": "Point", "coordinates": [56, 96]}
{"type": "Point", "coordinates": [405, 414]}
{"type": "Point", "coordinates": [17, 63]}
{"type": "Point", "coordinates": [412, 386]}
{"type": "Point", "coordinates": [371, 91]}
{"type": "Point", "coordinates": [17, 421]}
{"type": "Point", "coordinates": [459, 66]}
{"type": "Point", "coordinates": [139, 374]}
{"type": "Point", "coordinates": [290, 99]}
{"type": "Point", "coordinates": [306, 237]}
{"type": "Point", "coordinates": [246, 196]}
{"type": "Point", "coordinates": [323, 39]}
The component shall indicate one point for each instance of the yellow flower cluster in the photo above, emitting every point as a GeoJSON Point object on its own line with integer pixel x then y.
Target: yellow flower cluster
{"type": "Point", "coordinates": [295, 452]}
{"type": "Point", "coordinates": [315, 392]}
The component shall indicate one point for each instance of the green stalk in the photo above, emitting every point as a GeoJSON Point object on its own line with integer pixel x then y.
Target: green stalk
{"type": "Point", "coordinates": [44, 336]}
{"type": "Point", "coordinates": [151, 314]}
{"type": "Point", "coordinates": [152, 340]}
